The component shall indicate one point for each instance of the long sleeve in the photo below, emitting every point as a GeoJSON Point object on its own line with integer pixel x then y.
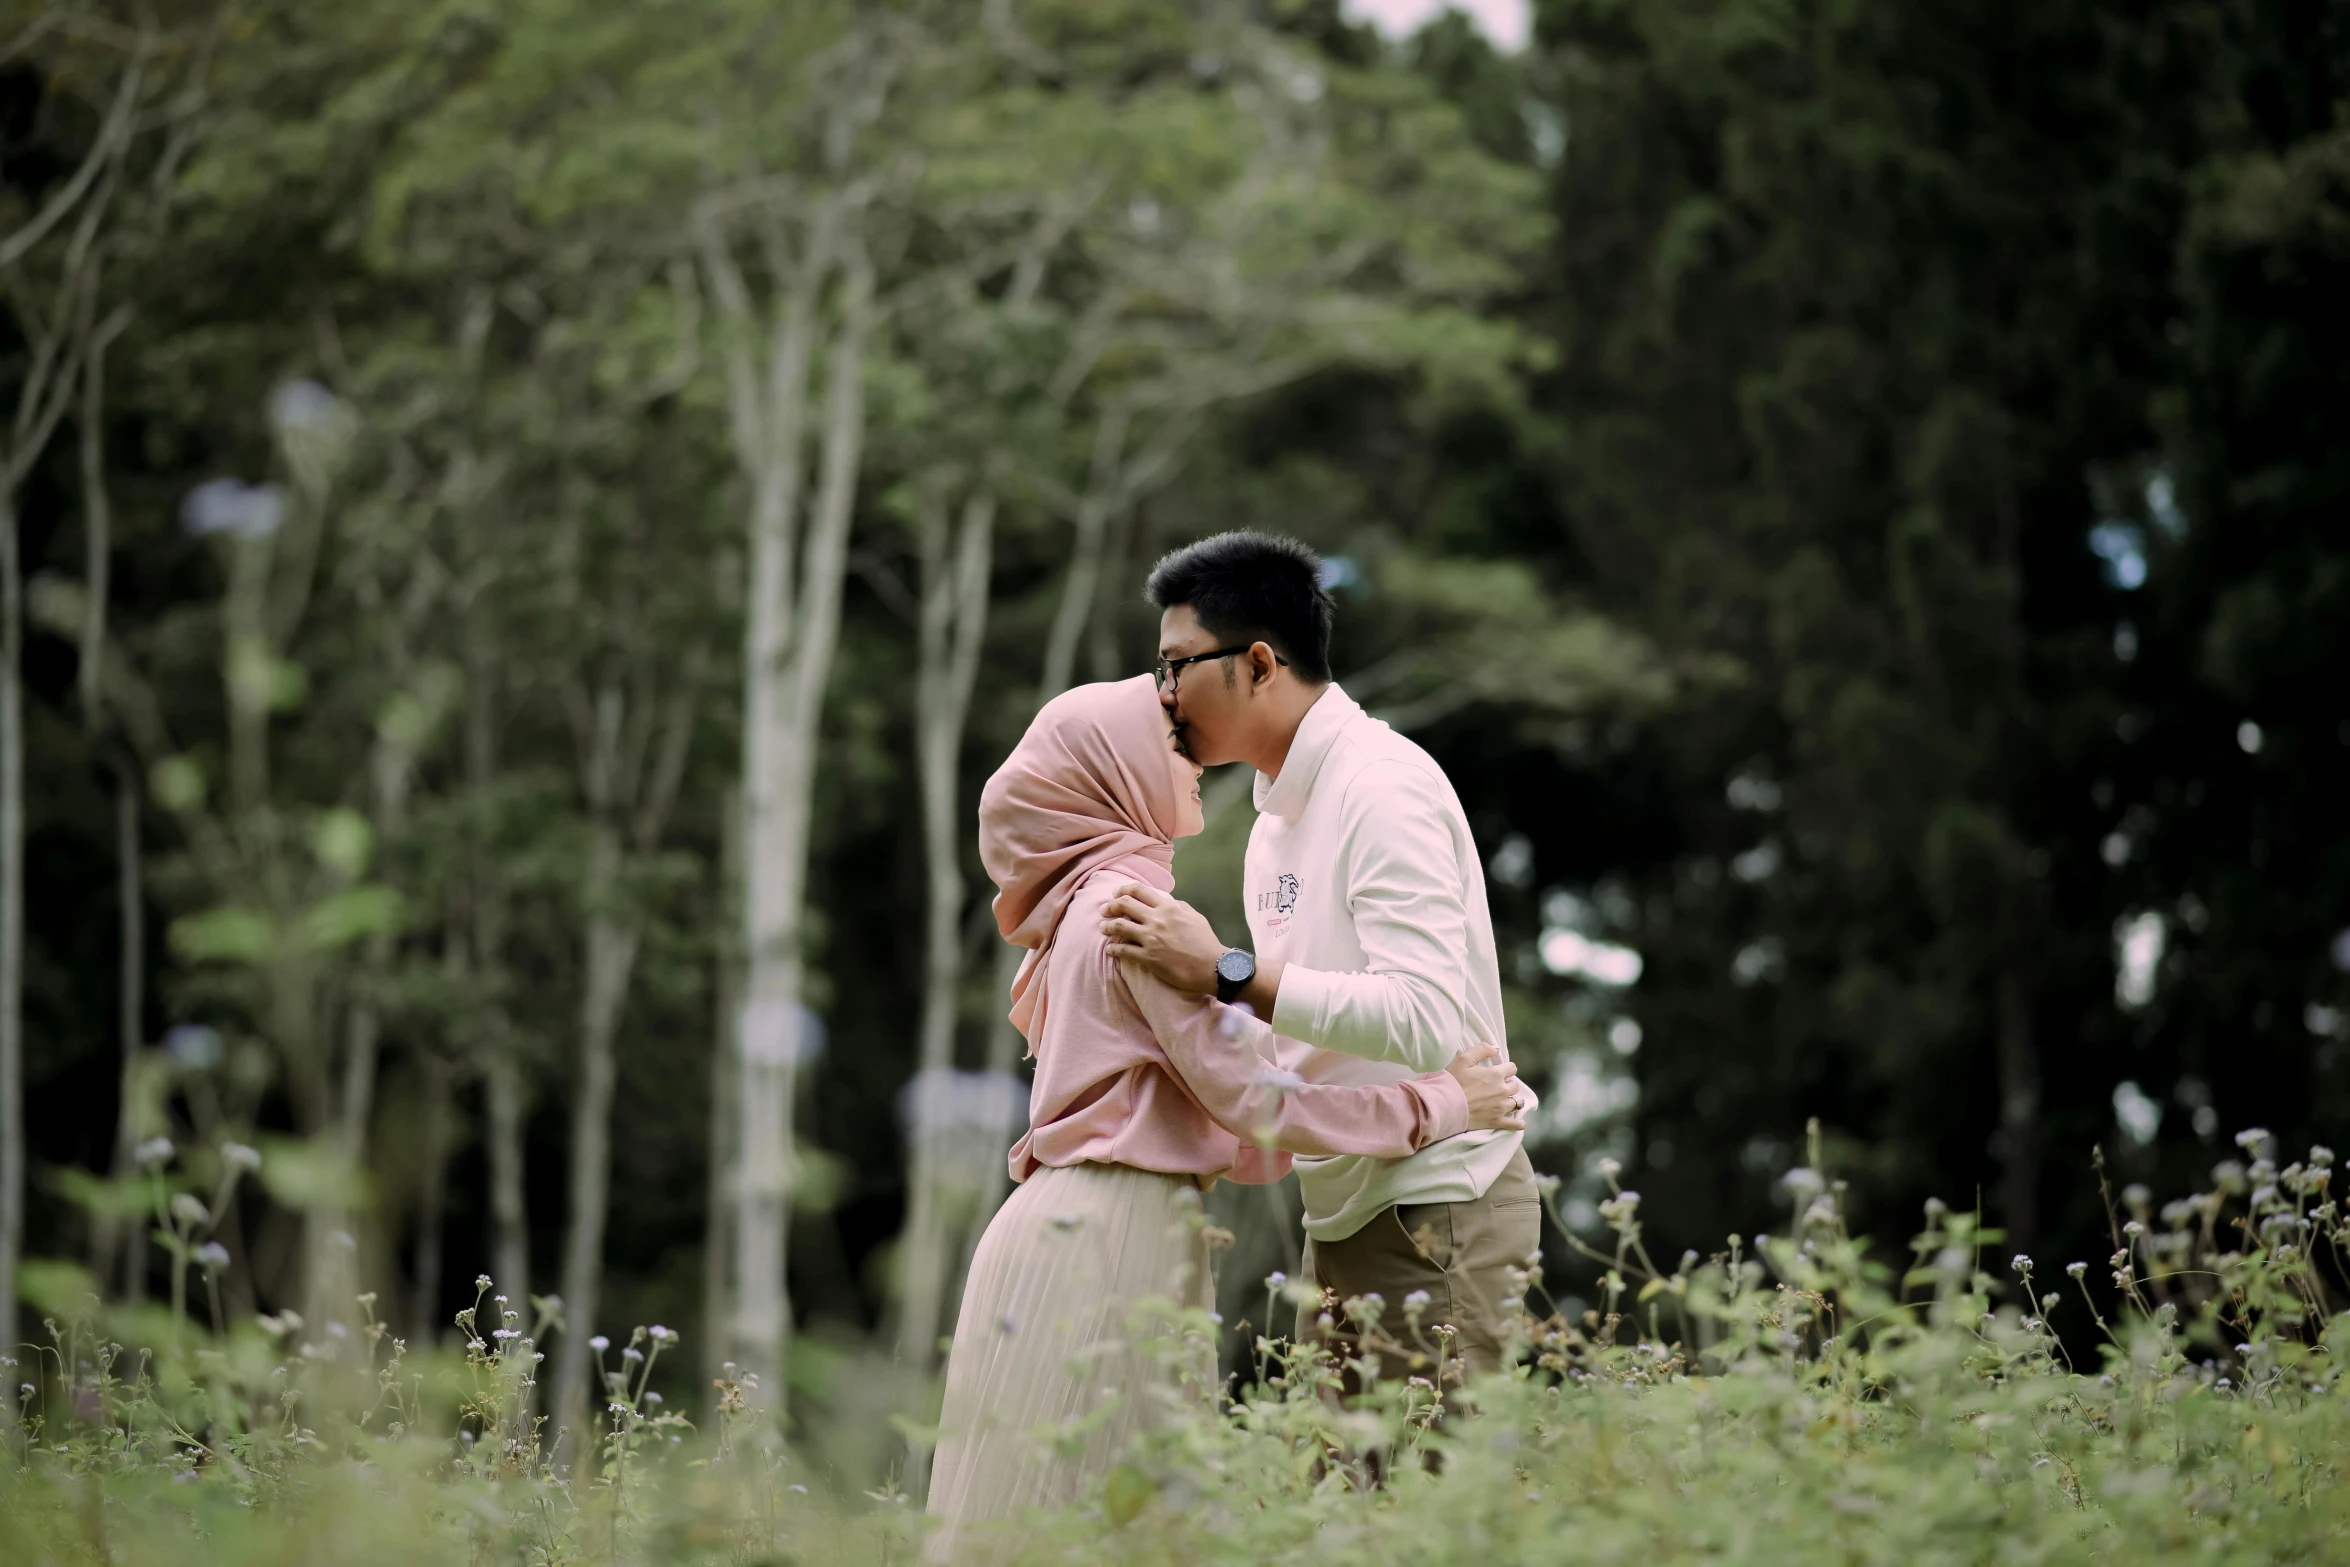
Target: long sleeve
{"type": "Point", "coordinates": [1404, 895]}
{"type": "Point", "coordinates": [1222, 1055]}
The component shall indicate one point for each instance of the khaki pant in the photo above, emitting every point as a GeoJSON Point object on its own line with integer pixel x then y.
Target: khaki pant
{"type": "Point", "coordinates": [1460, 1253]}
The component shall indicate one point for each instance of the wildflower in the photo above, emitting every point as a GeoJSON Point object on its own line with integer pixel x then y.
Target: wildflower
{"type": "Point", "coordinates": [2251, 1138]}
{"type": "Point", "coordinates": [2076, 1270]}
{"type": "Point", "coordinates": [2049, 1301]}
{"type": "Point", "coordinates": [155, 1150]}
{"type": "Point", "coordinates": [2320, 1155]}
{"type": "Point", "coordinates": [632, 1354]}
{"type": "Point", "coordinates": [503, 1334]}
{"type": "Point", "coordinates": [661, 1335]}
{"type": "Point", "coordinates": [653, 1400]}
{"type": "Point", "coordinates": [212, 1256]}
{"type": "Point", "coordinates": [1276, 1279]}
{"type": "Point", "coordinates": [240, 1156]}
{"type": "Point", "coordinates": [1416, 1302]}
{"type": "Point", "coordinates": [481, 1281]}
{"type": "Point", "coordinates": [2136, 1196]}
{"type": "Point", "coordinates": [1803, 1182]}
{"type": "Point", "coordinates": [1619, 1209]}
{"type": "Point", "coordinates": [1547, 1185]}
{"type": "Point", "coordinates": [599, 1343]}
{"type": "Point", "coordinates": [2133, 1229]}
{"type": "Point", "coordinates": [1935, 1209]}
{"type": "Point", "coordinates": [189, 1209]}
{"type": "Point", "coordinates": [1609, 1169]}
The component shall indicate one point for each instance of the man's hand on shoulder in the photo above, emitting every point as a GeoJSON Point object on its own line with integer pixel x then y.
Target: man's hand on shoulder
{"type": "Point", "coordinates": [1161, 933]}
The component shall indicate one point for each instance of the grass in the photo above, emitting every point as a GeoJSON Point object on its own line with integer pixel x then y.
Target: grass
{"type": "Point", "coordinates": [1798, 1400]}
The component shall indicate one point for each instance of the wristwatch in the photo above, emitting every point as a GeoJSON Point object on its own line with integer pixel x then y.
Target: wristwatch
{"type": "Point", "coordinates": [1233, 970]}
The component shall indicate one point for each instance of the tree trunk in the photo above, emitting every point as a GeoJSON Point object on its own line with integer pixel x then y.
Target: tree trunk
{"type": "Point", "coordinates": [502, 1086]}
{"type": "Point", "coordinates": [611, 955]}
{"type": "Point", "coordinates": [726, 997]}
{"type": "Point", "coordinates": [954, 618]}
{"type": "Point", "coordinates": [1081, 589]}
{"type": "Point", "coordinates": [11, 938]}
{"type": "Point", "coordinates": [424, 1300]}
{"type": "Point", "coordinates": [2019, 1111]}
{"type": "Point", "coordinates": [130, 1022]}
{"type": "Point", "coordinates": [791, 649]}
{"type": "Point", "coordinates": [509, 1217]}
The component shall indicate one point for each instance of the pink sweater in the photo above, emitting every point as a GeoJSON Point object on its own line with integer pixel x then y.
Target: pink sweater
{"type": "Point", "coordinates": [1136, 1073]}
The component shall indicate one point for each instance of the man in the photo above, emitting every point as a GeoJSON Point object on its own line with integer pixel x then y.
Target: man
{"type": "Point", "coordinates": [1373, 948]}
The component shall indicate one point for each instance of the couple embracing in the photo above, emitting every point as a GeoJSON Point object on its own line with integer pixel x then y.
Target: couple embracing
{"type": "Point", "coordinates": [1359, 1036]}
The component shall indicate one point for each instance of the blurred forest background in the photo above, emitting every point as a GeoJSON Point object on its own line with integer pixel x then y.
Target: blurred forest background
{"type": "Point", "coordinates": [528, 521]}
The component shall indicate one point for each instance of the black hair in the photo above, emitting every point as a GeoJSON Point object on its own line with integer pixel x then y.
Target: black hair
{"type": "Point", "coordinates": [1252, 587]}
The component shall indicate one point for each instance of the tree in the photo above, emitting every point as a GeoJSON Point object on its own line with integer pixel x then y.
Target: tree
{"type": "Point", "coordinates": [53, 254]}
{"type": "Point", "coordinates": [1848, 307]}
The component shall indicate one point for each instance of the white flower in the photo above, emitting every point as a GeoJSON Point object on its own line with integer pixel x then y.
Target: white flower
{"type": "Point", "coordinates": [2020, 1262]}
{"type": "Point", "coordinates": [481, 1281]}
{"type": "Point", "coordinates": [661, 1335]}
{"type": "Point", "coordinates": [188, 1208]}
{"type": "Point", "coordinates": [1803, 1182]}
{"type": "Point", "coordinates": [1416, 1302]}
{"type": "Point", "coordinates": [155, 1150]}
{"type": "Point", "coordinates": [226, 506]}
{"type": "Point", "coordinates": [238, 1156]}
{"type": "Point", "coordinates": [2076, 1270]}
{"type": "Point", "coordinates": [1276, 1279]}
{"type": "Point", "coordinates": [212, 1256]}
{"type": "Point", "coordinates": [599, 1343]}
{"type": "Point", "coordinates": [2320, 1155]}
{"type": "Point", "coordinates": [2251, 1138]}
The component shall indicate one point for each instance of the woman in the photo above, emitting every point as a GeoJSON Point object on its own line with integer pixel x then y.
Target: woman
{"type": "Point", "coordinates": [1143, 1097]}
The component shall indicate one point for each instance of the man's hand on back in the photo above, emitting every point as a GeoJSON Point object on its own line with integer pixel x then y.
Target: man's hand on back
{"type": "Point", "coordinates": [1162, 933]}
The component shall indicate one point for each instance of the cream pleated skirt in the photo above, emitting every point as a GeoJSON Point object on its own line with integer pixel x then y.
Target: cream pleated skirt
{"type": "Point", "coordinates": [1061, 1351]}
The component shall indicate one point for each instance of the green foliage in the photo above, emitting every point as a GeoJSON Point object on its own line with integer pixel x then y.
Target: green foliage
{"type": "Point", "coordinates": [1768, 1405]}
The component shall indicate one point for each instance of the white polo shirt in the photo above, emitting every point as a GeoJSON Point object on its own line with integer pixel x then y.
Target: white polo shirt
{"type": "Point", "coordinates": [1364, 881]}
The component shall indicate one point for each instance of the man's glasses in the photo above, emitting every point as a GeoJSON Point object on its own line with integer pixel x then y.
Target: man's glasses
{"type": "Point", "coordinates": [1170, 669]}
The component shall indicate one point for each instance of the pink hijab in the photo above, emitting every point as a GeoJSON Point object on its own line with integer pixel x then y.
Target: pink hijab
{"type": "Point", "coordinates": [1086, 788]}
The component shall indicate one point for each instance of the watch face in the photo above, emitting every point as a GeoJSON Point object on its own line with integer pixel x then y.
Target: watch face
{"type": "Point", "coordinates": [1236, 967]}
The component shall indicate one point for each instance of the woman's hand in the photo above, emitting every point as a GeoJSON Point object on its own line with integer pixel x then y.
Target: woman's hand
{"type": "Point", "coordinates": [1496, 1102]}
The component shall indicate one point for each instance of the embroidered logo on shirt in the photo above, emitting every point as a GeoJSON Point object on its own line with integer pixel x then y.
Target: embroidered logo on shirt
{"type": "Point", "coordinates": [1277, 903]}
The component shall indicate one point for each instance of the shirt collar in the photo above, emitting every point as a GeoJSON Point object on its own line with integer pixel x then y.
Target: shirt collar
{"type": "Point", "coordinates": [1321, 726]}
